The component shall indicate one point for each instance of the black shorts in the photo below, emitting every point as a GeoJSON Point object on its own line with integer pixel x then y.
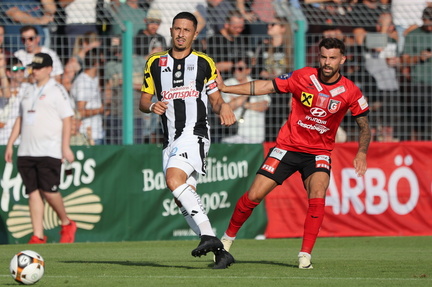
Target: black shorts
{"type": "Point", "coordinates": [281, 164]}
{"type": "Point", "coordinates": [41, 173]}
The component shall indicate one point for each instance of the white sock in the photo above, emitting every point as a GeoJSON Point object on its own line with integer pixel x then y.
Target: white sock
{"type": "Point", "coordinates": [190, 221]}
{"type": "Point", "coordinates": [228, 237]}
{"type": "Point", "coordinates": [191, 202]}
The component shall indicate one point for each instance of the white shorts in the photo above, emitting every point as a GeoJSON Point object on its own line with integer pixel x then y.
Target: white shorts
{"type": "Point", "coordinates": [187, 153]}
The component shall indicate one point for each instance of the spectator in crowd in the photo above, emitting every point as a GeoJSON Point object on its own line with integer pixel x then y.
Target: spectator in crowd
{"type": "Point", "coordinates": [217, 12]}
{"type": "Point", "coordinates": [364, 17]}
{"type": "Point", "coordinates": [80, 18]}
{"type": "Point", "coordinates": [274, 55]}
{"type": "Point", "coordinates": [417, 56]}
{"type": "Point", "coordinates": [257, 13]}
{"type": "Point", "coordinates": [249, 111]}
{"type": "Point", "coordinates": [113, 100]}
{"type": "Point", "coordinates": [44, 126]}
{"type": "Point", "coordinates": [225, 47]}
{"type": "Point", "coordinates": [131, 11]}
{"type": "Point", "coordinates": [229, 43]}
{"type": "Point", "coordinates": [87, 96]}
{"type": "Point", "coordinates": [12, 82]}
{"type": "Point", "coordinates": [382, 63]}
{"type": "Point", "coordinates": [148, 41]}
{"type": "Point", "coordinates": [3, 51]}
{"type": "Point", "coordinates": [26, 12]}
{"type": "Point", "coordinates": [406, 15]}
{"type": "Point", "coordinates": [74, 65]}
{"type": "Point", "coordinates": [168, 11]}
{"type": "Point", "coordinates": [31, 40]}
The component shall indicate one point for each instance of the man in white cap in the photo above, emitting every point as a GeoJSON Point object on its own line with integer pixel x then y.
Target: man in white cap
{"type": "Point", "coordinates": [44, 123]}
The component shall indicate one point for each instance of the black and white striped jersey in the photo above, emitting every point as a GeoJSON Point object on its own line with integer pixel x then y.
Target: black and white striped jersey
{"type": "Point", "coordinates": [185, 85]}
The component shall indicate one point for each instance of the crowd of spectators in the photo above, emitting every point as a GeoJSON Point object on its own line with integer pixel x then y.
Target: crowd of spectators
{"type": "Point", "coordinates": [389, 49]}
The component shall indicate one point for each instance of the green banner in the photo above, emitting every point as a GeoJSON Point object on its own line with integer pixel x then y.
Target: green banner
{"type": "Point", "coordinates": [118, 193]}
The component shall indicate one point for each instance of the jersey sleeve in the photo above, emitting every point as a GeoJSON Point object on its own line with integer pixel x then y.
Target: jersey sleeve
{"type": "Point", "coordinates": [359, 107]}
{"type": "Point", "coordinates": [211, 85]}
{"type": "Point", "coordinates": [281, 83]}
{"type": "Point", "coordinates": [148, 80]}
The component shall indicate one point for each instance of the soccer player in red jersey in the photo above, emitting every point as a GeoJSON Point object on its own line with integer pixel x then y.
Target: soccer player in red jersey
{"type": "Point", "coordinates": [320, 99]}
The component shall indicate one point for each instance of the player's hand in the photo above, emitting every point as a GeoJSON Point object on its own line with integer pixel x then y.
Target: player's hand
{"type": "Point", "coordinates": [360, 164]}
{"type": "Point", "coordinates": [159, 108]}
{"type": "Point", "coordinates": [220, 82]}
{"type": "Point", "coordinates": [226, 115]}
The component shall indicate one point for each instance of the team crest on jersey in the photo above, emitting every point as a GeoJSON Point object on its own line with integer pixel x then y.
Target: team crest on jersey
{"type": "Point", "coordinates": [163, 61]}
{"type": "Point", "coordinates": [334, 106]}
{"type": "Point", "coordinates": [306, 99]}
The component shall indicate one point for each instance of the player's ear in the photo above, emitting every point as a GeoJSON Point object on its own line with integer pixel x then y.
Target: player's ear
{"type": "Point", "coordinates": [343, 59]}
{"type": "Point", "coordinates": [195, 35]}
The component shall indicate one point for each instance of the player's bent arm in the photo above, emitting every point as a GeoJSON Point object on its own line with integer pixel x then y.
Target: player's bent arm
{"type": "Point", "coordinates": [221, 108]}
{"type": "Point", "coordinates": [145, 103]}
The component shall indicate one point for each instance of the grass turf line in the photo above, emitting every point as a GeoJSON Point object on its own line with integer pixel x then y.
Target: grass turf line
{"type": "Point", "coordinates": [352, 261]}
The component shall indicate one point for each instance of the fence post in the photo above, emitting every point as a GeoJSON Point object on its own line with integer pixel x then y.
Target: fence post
{"type": "Point", "coordinates": [127, 56]}
{"type": "Point", "coordinates": [300, 45]}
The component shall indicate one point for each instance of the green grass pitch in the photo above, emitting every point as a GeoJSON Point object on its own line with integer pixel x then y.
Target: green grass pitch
{"type": "Point", "coordinates": [352, 261]}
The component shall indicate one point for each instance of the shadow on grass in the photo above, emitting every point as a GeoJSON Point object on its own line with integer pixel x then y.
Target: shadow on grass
{"type": "Point", "coordinates": [129, 263]}
{"type": "Point", "coordinates": [152, 264]}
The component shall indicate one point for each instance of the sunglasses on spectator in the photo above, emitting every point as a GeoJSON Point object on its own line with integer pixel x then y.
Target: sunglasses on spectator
{"type": "Point", "coordinates": [17, 68]}
{"type": "Point", "coordinates": [240, 68]}
{"type": "Point", "coordinates": [273, 24]}
{"type": "Point", "coordinates": [151, 21]}
{"type": "Point", "coordinates": [31, 38]}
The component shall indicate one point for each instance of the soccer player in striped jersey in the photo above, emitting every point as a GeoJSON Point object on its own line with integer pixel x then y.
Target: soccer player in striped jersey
{"type": "Point", "coordinates": [320, 99]}
{"type": "Point", "coordinates": [183, 80]}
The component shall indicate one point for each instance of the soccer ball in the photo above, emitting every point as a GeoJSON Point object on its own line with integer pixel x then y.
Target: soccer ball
{"type": "Point", "coordinates": [27, 267]}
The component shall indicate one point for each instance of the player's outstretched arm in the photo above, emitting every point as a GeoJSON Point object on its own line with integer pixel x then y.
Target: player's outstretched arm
{"type": "Point", "coordinates": [258, 87]}
{"type": "Point", "coordinates": [360, 163]}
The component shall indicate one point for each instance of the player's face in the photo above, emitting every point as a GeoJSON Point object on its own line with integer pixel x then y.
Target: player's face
{"type": "Point", "coordinates": [330, 61]}
{"type": "Point", "coordinates": [183, 33]}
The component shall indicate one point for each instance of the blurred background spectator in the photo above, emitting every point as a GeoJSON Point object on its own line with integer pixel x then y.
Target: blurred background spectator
{"type": "Point", "coordinates": [148, 41]}
{"type": "Point", "coordinates": [249, 110]}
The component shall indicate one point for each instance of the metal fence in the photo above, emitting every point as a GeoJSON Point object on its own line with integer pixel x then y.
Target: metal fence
{"type": "Point", "coordinates": [400, 104]}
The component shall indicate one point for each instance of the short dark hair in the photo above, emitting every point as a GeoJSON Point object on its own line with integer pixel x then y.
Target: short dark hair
{"type": "Point", "coordinates": [28, 28]}
{"type": "Point", "coordinates": [427, 13]}
{"type": "Point", "coordinates": [332, 43]}
{"type": "Point", "coordinates": [187, 16]}
{"type": "Point", "coordinates": [12, 61]}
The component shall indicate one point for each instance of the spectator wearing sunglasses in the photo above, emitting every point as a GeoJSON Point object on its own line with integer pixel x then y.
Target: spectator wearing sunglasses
{"type": "Point", "coordinates": [31, 40]}
{"type": "Point", "coordinates": [9, 106]}
{"type": "Point", "coordinates": [148, 41]}
{"type": "Point", "coordinates": [249, 111]}
{"type": "Point", "coordinates": [16, 14]}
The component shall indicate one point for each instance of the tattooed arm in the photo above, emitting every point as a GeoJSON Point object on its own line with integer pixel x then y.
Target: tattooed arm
{"type": "Point", "coordinates": [360, 163]}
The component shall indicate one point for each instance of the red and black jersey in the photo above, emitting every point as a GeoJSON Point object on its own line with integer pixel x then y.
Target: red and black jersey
{"type": "Point", "coordinates": [317, 110]}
